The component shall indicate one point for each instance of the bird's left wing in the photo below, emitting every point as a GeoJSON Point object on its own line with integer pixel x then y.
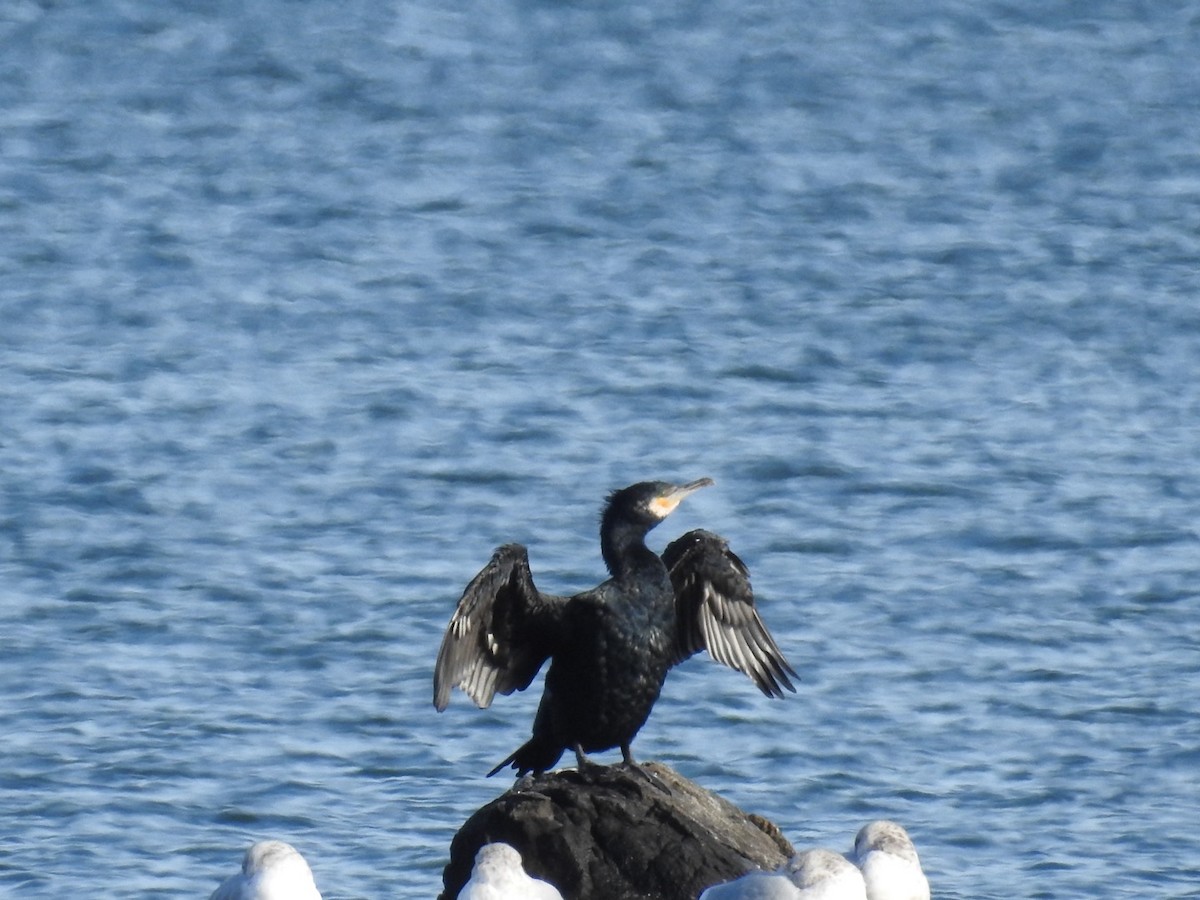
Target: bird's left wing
{"type": "Point", "coordinates": [501, 632]}
{"type": "Point", "coordinates": [714, 611]}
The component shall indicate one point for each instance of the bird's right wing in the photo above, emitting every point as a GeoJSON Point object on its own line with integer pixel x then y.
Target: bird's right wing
{"type": "Point", "coordinates": [500, 634]}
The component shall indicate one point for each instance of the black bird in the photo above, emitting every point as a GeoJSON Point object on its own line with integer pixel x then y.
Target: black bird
{"type": "Point", "coordinates": [609, 648]}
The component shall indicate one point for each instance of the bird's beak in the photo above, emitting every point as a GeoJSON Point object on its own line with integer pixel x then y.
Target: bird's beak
{"type": "Point", "coordinates": [664, 504]}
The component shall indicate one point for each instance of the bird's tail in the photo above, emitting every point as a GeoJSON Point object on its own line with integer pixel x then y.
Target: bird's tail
{"type": "Point", "coordinates": [536, 755]}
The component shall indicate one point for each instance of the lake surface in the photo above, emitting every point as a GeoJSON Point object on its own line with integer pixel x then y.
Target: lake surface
{"type": "Point", "coordinates": [304, 308]}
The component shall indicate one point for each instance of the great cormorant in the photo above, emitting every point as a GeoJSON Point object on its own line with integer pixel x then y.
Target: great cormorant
{"type": "Point", "coordinates": [609, 648]}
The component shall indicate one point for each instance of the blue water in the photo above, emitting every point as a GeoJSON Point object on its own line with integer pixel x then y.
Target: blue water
{"type": "Point", "coordinates": [304, 308]}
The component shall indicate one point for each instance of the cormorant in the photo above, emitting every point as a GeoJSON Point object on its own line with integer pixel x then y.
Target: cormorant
{"type": "Point", "coordinates": [609, 648]}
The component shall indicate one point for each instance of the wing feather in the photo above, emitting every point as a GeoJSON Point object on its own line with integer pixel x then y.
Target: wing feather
{"type": "Point", "coordinates": [715, 611]}
{"type": "Point", "coordinates": [501, 632]}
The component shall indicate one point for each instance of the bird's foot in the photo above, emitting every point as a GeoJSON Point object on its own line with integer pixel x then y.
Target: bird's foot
{"type": "Point", "coordinates": [584, 765]}
{"type": "Point", "coordinates": [631, 764]}
{"type": "Point", "coordinates": [527, 781]}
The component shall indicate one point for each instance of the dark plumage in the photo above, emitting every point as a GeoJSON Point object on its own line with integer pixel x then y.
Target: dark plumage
{"type": "Point", "coordinates": [609, 648]}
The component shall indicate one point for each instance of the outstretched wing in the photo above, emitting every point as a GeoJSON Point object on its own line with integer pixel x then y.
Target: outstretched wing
{"type": "Point", "coordinates": [500, 634]}
{"type": "Point", "coordinates": [714, 611]}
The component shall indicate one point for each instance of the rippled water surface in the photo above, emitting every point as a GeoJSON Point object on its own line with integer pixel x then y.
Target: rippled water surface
{"type": "Point", "coordinates": [304, 308]}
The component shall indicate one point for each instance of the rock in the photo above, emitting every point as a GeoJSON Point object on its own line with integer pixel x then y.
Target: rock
{"type": "Point", "coordinates": [616, 833]}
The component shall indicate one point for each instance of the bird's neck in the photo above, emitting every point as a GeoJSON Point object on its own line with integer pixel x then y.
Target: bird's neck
{"type": "Point", "coordinates": [623, 546]}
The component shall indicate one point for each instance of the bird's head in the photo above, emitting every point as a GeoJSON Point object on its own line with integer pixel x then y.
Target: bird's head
{"type": "Point", "coordinates": [649, 502]}
{"type": "Point", "coordinates": [886, 836]}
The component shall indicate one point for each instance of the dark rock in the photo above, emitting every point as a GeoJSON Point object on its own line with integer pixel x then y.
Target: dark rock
{"type": "Point", "coordinates": [619, 833]}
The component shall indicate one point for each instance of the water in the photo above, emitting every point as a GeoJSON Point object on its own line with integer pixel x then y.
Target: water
{"type": "Point", "coordinates": [306, 307]}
